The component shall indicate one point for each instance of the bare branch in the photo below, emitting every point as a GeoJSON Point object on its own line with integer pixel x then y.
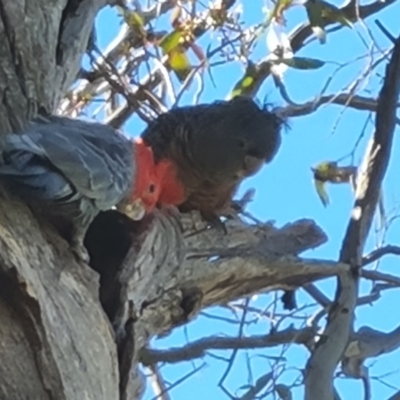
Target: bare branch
{"type": "Point", "coordinates": [392, 282]}
{"type": "Point", "coordinates": [317, 295]}
{"type": "Point", "coordinates": [260, 384]}
{"type": "Point", "coordinates": [396, 396]}
{"type": "Point", "coordinates": [183, 379]}
{"type": "Point", "coordinates": [378, 253]}
{"type": "Point", "coordinates": [364, 344]}
{"type": "Point", "coordinates": [375, 164]}
{"type": "Point", "coordinates": [199, 348]}
{"type": "Point", "coordinates": [351, 100]}
{"type": "Point", "coordinates": [368, 342]}
{"type": "Point", "coordinates": [159, 387]}
{"type": "Point", "coordinates": [380, 276]}
{"type": "Point", "coordinates": [235, 350]}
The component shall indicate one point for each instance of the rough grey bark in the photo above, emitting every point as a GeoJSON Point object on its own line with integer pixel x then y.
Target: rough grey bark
{"type": "Point", "coordinates": [167, 277]}
{"type": "Point", "coordinates": [42, 43]}
{"type": "Point", "coordinates": [55, 340]}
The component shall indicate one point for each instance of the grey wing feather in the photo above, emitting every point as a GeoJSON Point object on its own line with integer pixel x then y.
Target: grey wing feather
{"type": "Point", "coordinates": [94, 158]}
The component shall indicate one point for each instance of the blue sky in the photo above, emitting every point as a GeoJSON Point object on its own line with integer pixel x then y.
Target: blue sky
{"type": "Point", "coordinates": [285, 193]}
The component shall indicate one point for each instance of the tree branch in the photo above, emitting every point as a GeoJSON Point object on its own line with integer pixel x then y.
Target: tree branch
{"type": "Point", "coordinates": [299, 36]}
{"type": "Point", "coordinates": [169, 275]}
{"type": "Point", "coordinates": [351, 100]}
{"type": "Point", "coordinates": [327, 354]}
{"type": "Point", "coordinates": [260, 384]}
{"type": "Point", "coordinates": [199, 348]}
{"type": "Point", "coordinates": [364, 344]}
{"type": "Point", "coordinates": [396, 396]}
{"type": "Point", "coordinates": [160, 389]}
{"type": "Point", "coordinates": [380, 276]}
{"type": "Point", "coordinates": [379, 253]}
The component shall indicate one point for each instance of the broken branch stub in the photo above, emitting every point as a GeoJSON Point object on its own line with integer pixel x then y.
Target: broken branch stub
{"type": "Point", "coordinates": [172, 273]}
{"type": "Point", "coordinates": [169, 266]}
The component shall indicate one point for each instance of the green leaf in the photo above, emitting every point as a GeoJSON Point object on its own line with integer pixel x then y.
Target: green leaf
{"type": "Point", "coordinates": [314, 10]}
{"type": "Point", "coordinates": [134, 20]}
{"type": "Point", "coordinates": [277, 12]}
{"type": "Point", "coordinates": [179, 62]}
{"type": "Point", "coordinates": [246, 84]}
{"type": "Point", "coordinates": [283, 392]}
{"type": "Point", "coordinates": [324, 171]}
{"type": "Point", "coordinates": [329, 171]}
{"type": "Point", "coordinates": [320, 13]}
{"type": "Point", "coordinates": [321, 191]}
{"type": "Point", "coordinates": [334, 14]}
{"type": "Point", "coordinates": [303, 63]}
{"type": "Point", "coordinates": [171, 41]}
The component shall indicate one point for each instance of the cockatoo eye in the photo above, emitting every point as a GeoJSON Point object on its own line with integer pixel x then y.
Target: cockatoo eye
{"type": "Point", "coordinates": [152, 188]}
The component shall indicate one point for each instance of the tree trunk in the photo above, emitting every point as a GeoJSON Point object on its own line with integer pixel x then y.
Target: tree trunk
{"type": "Point", "coordinates": [55, 340]}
